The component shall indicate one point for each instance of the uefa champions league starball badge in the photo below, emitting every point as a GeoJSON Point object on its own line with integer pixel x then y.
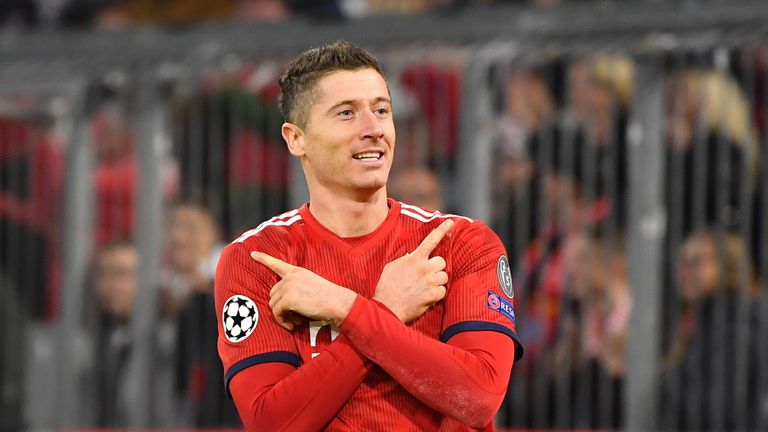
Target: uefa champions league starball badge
{"type": "Point", "coordinates": [239, 318]}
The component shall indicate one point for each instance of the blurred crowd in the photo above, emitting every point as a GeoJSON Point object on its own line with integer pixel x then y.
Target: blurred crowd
{"type": "Point", "coordinates": [115, 14]}
{"type": "Point", "coordinates": [562, 188]}
{"type": "Point", "coordinates": [560, 194]}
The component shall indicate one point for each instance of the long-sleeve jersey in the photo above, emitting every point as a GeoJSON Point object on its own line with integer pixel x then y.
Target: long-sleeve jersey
{"type": "Point", "coordinates": [447, 370]}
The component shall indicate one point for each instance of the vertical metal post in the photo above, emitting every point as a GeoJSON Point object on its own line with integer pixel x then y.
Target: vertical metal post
{"type": "Point", "coordinates": [475, 144]}
{"type": "Point", "coordinates": [669, 417]}
{"type": "Point", "coordinates": [646, 234]}
{"type": "Point", "coordinates": [76, 250]}
{"type": "Point", "coordinates": [152, 137]}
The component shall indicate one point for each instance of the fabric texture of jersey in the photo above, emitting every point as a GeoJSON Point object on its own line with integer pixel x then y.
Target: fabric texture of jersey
{"type": "Point", "coordinates": [475, 295]}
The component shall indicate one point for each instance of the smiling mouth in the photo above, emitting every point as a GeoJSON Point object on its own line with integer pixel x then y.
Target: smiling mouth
{"type": "Point", "coordinates": [367, 156]}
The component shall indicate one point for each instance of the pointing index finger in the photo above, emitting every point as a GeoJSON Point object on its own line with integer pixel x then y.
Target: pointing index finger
{"type": "Point", "coordinates": [276, 265]}
{"type": "Point", "coordinates": [432, 239]}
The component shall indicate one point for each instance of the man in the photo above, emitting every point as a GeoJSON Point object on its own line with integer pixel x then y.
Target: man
{"type": "Point", "coordinates": [109, 383]}
{"type": "Point", "coordinates": [357, 312]}
{"type": "Point", "coordinates": [193, 249]}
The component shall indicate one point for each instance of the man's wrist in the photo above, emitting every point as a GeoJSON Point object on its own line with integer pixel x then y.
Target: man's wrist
{"type": "Point", "coordinates": [386, 306]}
{"type": "Point", "coordinates": [343, 304]}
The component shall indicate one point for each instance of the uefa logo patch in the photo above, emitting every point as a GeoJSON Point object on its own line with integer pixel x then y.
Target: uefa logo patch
{"type": "Point", "coordinates": [505, 276]}
{"type": "Point", "coordinates": [239, 318]}
{"type": "Point", "coordinates": [493, 301]}
{"type": "Point", "coordinates": [501, 306]}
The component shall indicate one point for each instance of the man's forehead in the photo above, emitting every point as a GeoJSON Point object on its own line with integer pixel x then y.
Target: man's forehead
{"type": "Point", "coordinates": [357, 84]}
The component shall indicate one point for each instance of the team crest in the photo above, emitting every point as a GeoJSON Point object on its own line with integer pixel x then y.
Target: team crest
{"type": "Point", "coordinates": [505, 276]}
{"type": "Point", "coordinates": [239, 318]}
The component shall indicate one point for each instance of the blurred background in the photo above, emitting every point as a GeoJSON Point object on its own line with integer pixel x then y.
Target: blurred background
{"type": "Point", "coordinates": [618, 148]}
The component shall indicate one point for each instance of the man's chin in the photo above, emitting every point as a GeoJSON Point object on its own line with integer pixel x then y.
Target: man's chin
{"type": "Point", "coordinates": [372, 183]}
{"type": "Point", "coordinates": [370, 188]}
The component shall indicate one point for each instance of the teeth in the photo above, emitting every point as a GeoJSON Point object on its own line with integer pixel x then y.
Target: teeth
{"type": "Point", "coordinates": [369, 155]}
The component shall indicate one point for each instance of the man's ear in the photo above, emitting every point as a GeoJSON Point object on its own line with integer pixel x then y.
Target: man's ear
{"type": "Point", "coordinates": [294, 138]}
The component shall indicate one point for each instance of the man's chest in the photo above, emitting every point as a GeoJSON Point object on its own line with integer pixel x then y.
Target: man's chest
{"type": "Point", "coordinates": [359, 270]}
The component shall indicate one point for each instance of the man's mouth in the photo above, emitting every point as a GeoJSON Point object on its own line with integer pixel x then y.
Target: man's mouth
{"type": "Point", "coordinates": [367, 156]}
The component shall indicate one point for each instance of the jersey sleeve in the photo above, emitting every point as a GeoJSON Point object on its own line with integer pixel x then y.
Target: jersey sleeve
{"type": "Point", "coordinates": [248, 332]}
{"type": "Point", "coordinates": [479, 295]}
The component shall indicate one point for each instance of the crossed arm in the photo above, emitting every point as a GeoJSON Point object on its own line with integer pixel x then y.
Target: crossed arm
{"type": "Point", "coordinates": [464, 378]}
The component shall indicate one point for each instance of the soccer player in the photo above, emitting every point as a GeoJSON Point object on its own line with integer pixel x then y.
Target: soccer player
{"type": "Point", "coordinates": [355, 311]}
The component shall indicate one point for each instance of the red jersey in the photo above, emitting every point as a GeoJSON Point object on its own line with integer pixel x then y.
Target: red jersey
{"type": "Point", "coordinates": [478, 298]}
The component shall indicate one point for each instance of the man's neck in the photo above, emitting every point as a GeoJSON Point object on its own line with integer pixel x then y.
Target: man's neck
{"type": "Point", "coordinates": [348, 216]}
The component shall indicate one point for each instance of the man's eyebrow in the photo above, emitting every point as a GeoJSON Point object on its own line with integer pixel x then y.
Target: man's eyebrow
{"type": "Point", "coordinates": [383, 99]}
{"type": "Point", "coordinates": [352, 102]}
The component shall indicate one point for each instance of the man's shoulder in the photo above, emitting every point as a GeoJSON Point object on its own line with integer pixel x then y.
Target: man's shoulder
{"type": "Point", "coordinates": [429, 219]}
{"type": "Point", "coordinates": [467, 233]}
{"type": "Point", "coordinates": [272, 229]}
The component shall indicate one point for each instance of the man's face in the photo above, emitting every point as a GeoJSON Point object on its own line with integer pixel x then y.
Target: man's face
{"type": "Point", "coordinates": [698, 269]}
{"type": "Point", "coordinates": [115, 281]}
{"type": "Point", "coordinates": [191, 237]}
{"type": "Point", "coordinates": [349, 139]}
{"type": "Point", "coordinates": [111, 132]}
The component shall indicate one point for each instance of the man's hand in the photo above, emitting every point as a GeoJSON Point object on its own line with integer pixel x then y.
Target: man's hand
{"type": "Point", "coordinates": [302, 293]}
{"type": "Point", "coordinates": [409, 285]}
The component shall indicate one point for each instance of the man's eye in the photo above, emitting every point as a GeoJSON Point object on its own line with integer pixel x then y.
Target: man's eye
{"type": "Point", "coordinates": [345, 113]}
{"type": "Point", "coordinates": [382, 111]}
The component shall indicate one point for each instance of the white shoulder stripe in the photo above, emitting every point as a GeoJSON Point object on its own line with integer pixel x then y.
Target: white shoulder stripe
{"type": "Point", "coordinates": [415, 209]}
{"type": "Point", "coordinates": [292, 216]}
{"type": "Point", "coordinates": [431, 216]}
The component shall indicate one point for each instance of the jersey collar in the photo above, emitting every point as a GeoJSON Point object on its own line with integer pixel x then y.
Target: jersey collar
{"type": "Point", "coordinates": [371, 239]}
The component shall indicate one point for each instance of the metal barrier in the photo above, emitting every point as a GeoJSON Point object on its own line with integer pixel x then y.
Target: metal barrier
{"type": "Point", "coordinates": [621, 163]}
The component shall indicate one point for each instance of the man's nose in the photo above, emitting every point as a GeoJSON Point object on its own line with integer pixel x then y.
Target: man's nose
{"type": "Point", "coordinates": [371, 126]}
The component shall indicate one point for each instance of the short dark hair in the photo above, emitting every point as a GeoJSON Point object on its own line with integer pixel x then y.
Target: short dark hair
{"type": "Point", "coordinates": [297, 86]}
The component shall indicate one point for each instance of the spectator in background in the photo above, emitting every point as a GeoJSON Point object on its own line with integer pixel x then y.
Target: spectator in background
{"type": "Point", "coordinates": [717, 291]}
{"type": "Point", "coordinates": [524, 129]}
{"type": "Point", "coordinates": [419, 186]}
{"type": "Point", "coordinates": [600, 91]}
{"type": "Point", "coordinates": [115, 280]}
{"type": "Point", "coordinates": [116, 170]}
{"type": "Point", "coordinates": [563, 207]}
{"type": "Point", "coordinates": [31, 183]}
{"type": "Point", "coordinates": [711, 150]}
{"type": "Point", "coordinates": [115, 174]}
{"type": "Point", "coordinates": [193, 249]}
{"type": "Point", "coordinates": [542, 270]}
{"type": "Point", "coordinates": [589, 354]}
{"type": "Point", "coordinates": [113, 391]}
{"type": "Point", "coordinates": [566, 168]}
{"type": "Point", "coordinates": [576, 162]}
{"type": "Point", "coordinates": [114, 284]}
